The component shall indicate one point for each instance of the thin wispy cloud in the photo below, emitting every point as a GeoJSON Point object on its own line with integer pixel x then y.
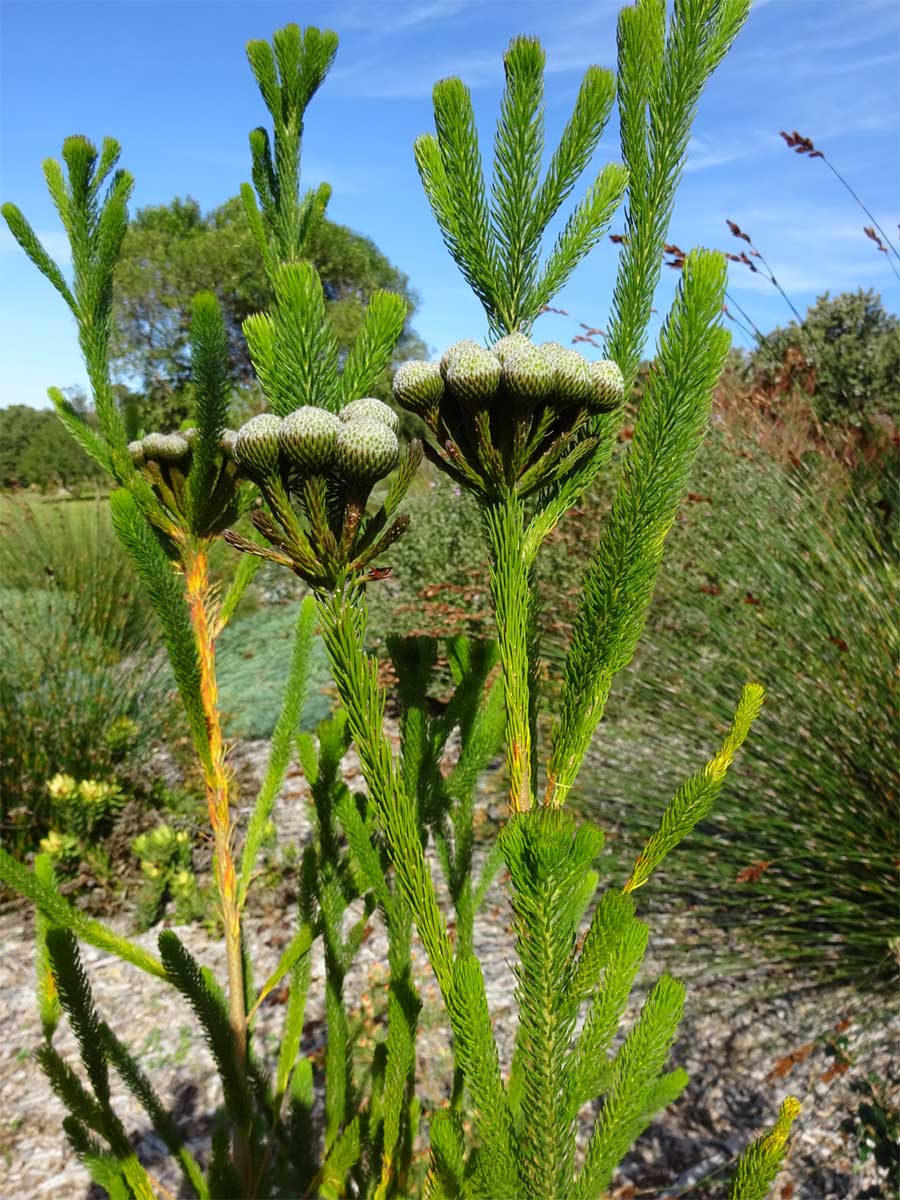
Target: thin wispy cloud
{"type": "Point", "coordinates": [395, 17]}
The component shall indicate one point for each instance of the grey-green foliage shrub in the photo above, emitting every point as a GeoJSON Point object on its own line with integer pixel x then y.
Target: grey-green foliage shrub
{"type": "Point", "coordinates": [850, 344]}
{"type": "Point", "coordinates": [777, 574]}
{"type": "Point", "coordinates": [524, 430]}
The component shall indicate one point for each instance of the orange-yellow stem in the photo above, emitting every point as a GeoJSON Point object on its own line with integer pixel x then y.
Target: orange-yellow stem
{"type": "Point", "coordinates": [217, 778]}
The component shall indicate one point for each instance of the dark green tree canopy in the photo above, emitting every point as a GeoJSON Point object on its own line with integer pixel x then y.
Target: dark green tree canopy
{"type": "Point", "coordinates": [36, 450]}
{"type": "Point", "coordinates": [852, 344]}
{"type": "Point", "coordinates": [173, 251]}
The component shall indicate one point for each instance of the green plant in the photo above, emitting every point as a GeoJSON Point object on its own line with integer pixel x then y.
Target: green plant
{"type": "Point", "coordinates": [80, 688]}
{"type": "Point", "coordinates": [81, 807]}
{"type": "Point", "coordinates": [524, 430]}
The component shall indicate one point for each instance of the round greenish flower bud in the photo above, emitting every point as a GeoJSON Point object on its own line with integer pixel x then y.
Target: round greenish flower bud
{"type": "Point", "coordinates": [528, 375]}
{"type": "Point", "coordinates": [506, 345]}
{"type": "Point", "coordinates": [136, 450]}
{"type": "Point", "coordinates": [418, 386]}
{"type": "Point", "coordinates": [552, 350]}
{"type": "Point", "coordinates": [572, 383]}
{"type": "Point", "coordinates": [609, 386]}
{"type": "Point", "coordinates": [451, 352]}
{"type": "Point", "coordinates": [367, 450]}
{"type": "Point", "coordinates": [256, 446]}
{"type": "Point", "coordinates": [308, 437]}
{"type": "Point", "coordinates": [226, 442]}
{"type": "Point", "coordinates": [473, 376]}
{"type": "Point", "coordinates": [165, 447]}
{"type": "Point", "coordinates": [369, 409]}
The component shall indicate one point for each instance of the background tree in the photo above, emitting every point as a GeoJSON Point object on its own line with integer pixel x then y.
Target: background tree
{"type": "Point", "coordinates": [36, 450]}
{"type": "Point", "coordinates": [18, 425]}
{"type": "Point", "coordinates": [173, 251]}
{"type": "Point", "coordinates": [846, 352]}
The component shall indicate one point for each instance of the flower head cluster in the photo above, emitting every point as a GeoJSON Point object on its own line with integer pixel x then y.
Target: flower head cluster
{"type": "Point", "coordinates": [166, 460]}
{"type": "Point", "coordinates": [316, 470]}
{"type": "Point", "coordinates": [80, 806]}
{"type": "Point", "coordinates": [511, 418]}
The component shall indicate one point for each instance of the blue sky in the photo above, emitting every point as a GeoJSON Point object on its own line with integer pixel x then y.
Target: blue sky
{"type": "Point", "coordinates": [170, 81]}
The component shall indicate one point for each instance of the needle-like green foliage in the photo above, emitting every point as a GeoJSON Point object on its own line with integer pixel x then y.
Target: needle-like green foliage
{"type": "Point", "coordinates": [695, 798]}
{"type": "Point", "coordinates": [289, 72]}
{"type": "Point", "coordinates": [95, 227]}
{"type": "Point", "coordinates": [206, 1001]}
{"type": "Point", "coordinates": [620, 580]}
{"type": "Point", "coordinates": [496, 245]}
{"type": "Point", "coordinates": [662, 73]}
{"type": "Point", "coordinates": [759, 1164]}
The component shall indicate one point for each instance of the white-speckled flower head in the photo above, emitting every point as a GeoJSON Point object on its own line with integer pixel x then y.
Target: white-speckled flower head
{"type": "Point", "coordinates": [506, 345]}
{"type": "Point", "coordinates": [473, 375]}
{"type": "Point", "coordinates": [608, 385]}
{"type": "Point", "coordinates": [136, 450]}
{"type": "Point", "coordinates": [572, 383]}
{"type": "Point", "coordinates": [308, 438]}
{"type": "Point", "coordinates": [368, 408]}
{"type": "Point", "coordinates": [366, 450]}
{"type": "Point", "coordinates": [527, 375]}
{"type": "Point", "coordinates": [418, 386]}
{"type": "Point", "coordinates": [457, 348]}
{"type": "Point", "coordinates": [165, 447]}
{"type": "Point", "coordinates": [256, 446]}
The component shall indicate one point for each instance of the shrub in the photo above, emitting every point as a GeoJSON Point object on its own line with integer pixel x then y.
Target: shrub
{"type": "Point", "coordinates": [254, 665]}
{"type": "Point", "coordinates": [847, 352]}
{"type": "Point", "coordinates": [35, 451]}
{"type": "Point", "coordinates": [165, 858]}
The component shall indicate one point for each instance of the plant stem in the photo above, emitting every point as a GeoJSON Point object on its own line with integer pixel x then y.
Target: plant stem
{"type": "Point", "coordinates": [833, 169]}
{"type": "Point", "coordinates": [200, 601]}
{"type": "Point", "coordinates": [513, 607]}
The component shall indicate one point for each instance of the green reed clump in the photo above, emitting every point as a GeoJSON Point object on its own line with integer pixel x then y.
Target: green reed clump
{"type": "Point", "coordinates": [781, 574]}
